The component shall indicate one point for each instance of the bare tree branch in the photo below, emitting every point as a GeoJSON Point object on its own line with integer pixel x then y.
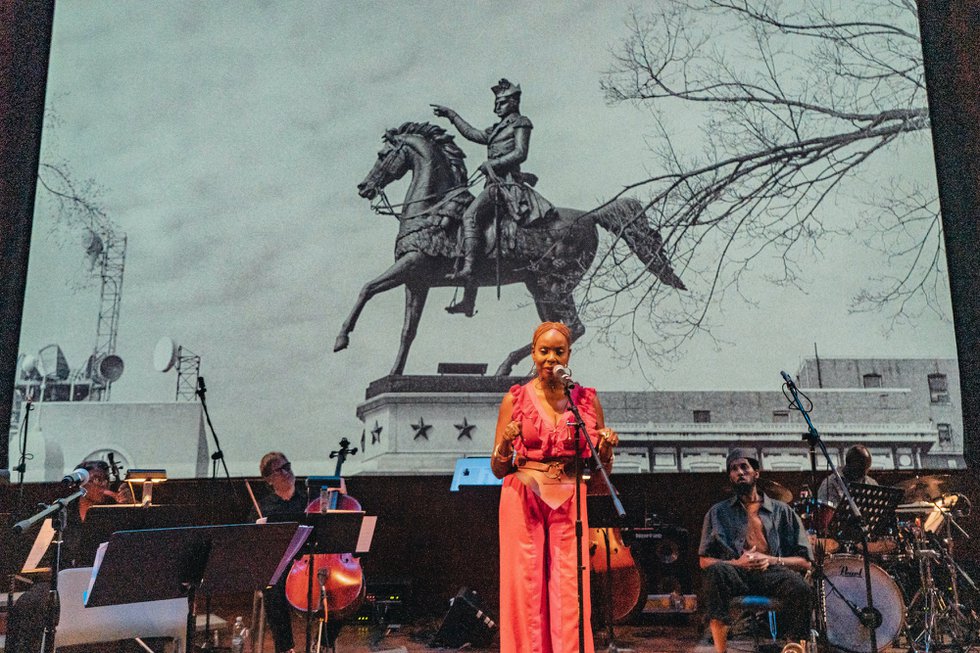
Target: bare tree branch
{"type": "Point", "coordinates": [792, 107]}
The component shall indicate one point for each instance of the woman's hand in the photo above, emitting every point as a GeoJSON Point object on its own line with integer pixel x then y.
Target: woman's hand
{"type": "Point", "coordinates": [608, 437]}
{"type": "Point", "coordinates": [511, 432]}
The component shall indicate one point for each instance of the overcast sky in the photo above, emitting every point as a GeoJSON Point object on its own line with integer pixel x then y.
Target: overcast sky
{"type": "Point", "coordinates": [227, 139]}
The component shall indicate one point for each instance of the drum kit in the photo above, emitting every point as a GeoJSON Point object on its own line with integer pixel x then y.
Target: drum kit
{"type": "Point", "coordinates": [918, 587]}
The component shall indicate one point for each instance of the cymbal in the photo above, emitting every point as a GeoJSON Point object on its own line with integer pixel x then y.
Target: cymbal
{"type": "Point", "coordinates": [922, 488]}
{"type": "Point", "coordinates": [916, 508]}
{"type": "Point", "coordinates": [775, 490]}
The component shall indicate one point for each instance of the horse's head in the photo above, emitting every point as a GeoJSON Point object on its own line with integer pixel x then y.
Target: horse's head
{"type": "Point", "coordinates": [418, 146]}
{"type": "Point", "coordinates": [392, 164]}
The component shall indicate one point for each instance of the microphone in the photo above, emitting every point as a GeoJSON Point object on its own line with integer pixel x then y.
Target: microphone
{"type": "Point", "coordinates": [788, 379]}
{"type": "Point", "coordinates": [564, 376]}
{"type": "Point", "coordinates": [78, 477]}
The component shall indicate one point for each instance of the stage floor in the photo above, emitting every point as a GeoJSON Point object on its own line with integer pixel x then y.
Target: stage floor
{"type": "Point", "coordinates": [646, 638]}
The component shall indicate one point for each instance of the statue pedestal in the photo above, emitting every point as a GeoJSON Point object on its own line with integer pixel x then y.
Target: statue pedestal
{"type": "Point", "coordinates": [423, 424]}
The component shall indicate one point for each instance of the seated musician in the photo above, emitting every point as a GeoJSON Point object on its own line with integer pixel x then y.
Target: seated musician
{"type": "Point", "coordinates": [754, 544]}
{"type": "Point", "coordinates": [286, 497]}
{"type": "Point", "coordinates": [857, 464]}
{"type": "Point", "coordinates": [25, 622]}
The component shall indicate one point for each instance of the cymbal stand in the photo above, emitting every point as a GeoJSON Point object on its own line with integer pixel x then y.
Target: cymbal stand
{"type": "Point", "coordinates": [942, 618]}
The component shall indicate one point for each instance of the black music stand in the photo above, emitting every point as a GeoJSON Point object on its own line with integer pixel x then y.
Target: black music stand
{"type": "Point", "coordinates": [335, 531]}
{"type": "Point", "coordinates": [218, 559]}
{"type": "Point", "coordinates": [102, 521]}
{"type": "Point", "coordinates": [603, 514]}
{"type": "Point", "coordinates": [877, 504]}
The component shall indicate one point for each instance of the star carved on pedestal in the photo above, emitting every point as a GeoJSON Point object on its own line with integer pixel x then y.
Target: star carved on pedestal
{"type": "Point", "coordinates": [421, 429]}
{"type": "Point", "coordinates": [465, 430]}
{"type": "Point", "coordinates": [376, 432]}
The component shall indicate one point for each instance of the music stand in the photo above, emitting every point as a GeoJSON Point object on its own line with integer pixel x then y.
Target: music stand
{"type": "Point", "coordinates": [602, 513]}
{"type": "Point", "coordinates": [219, 559]}
{"type": "Point", "coordinates": [877, 504]}
{"type": "Point", "coordinates": [102, 521]}
{"type": "Point", "coordinates": [335, 531]}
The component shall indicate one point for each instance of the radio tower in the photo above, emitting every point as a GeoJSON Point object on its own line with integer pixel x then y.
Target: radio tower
{"type": "Point", "coordinates": [104, 365]}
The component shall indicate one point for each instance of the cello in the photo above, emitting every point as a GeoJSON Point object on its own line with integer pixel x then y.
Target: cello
{"type": "Point", "coordinates": [615, 571]}
{"type": "Point", "coordinates": [338, 576]}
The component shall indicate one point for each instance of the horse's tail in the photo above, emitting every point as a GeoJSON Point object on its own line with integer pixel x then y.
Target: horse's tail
{"type": "Point", "coordinates": [625, 219]}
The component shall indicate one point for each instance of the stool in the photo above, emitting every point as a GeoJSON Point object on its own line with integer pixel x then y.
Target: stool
{"type": "Point", "coordinates": [758, 605]}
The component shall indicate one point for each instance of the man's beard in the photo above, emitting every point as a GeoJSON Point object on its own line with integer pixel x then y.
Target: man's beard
{"type": "Point", "coordinates": [744, 488]}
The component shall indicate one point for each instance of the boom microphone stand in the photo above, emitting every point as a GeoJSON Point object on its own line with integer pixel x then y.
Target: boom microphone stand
{"type": "Point", "coordinates": [218, 454]}
{"type": "Point", "coordinates": [59, 511]}
{"type": "Point", "coordinates": [583, 436]}
{"type": "Point", "coordinates": [869, 617]}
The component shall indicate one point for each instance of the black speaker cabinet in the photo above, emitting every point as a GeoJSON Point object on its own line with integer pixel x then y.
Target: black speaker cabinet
{"type": "Point", "coordinates": [663, 555]}
{"type": "Point", "coordinates": [465, 623]}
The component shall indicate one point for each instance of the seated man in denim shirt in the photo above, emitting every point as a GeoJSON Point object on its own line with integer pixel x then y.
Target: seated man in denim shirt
{"type": "Point", "coordinates": [753, 544]}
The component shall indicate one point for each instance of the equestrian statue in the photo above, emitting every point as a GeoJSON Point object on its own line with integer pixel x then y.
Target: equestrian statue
{"type": "Point", "coordinates": [507, 234]}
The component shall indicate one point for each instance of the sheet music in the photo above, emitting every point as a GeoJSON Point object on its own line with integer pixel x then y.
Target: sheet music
{"type": "Point", "coordinates": [41, 543]}
{"type": "Point", "coordinates": [299, 539]}
{"type": "Point", "coordinates": [367, 534]}
{"type": "Point", "coordinates": [99, 554]}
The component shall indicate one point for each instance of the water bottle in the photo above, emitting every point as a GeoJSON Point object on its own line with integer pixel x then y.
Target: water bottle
{"type": "Point", "coordinates": [324, 499]}
{"type": "Point", "coordinates": [237, 641]}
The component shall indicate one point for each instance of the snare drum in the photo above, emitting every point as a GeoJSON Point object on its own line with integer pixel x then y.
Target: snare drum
{"type": "Point", "coordinates": [844, 587]}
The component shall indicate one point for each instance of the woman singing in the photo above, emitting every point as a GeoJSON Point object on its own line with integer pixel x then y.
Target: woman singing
{"type": "Point", "coordinates": [534, 453]}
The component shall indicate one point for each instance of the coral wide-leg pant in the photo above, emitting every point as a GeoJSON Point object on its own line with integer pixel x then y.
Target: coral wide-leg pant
{"type": "Point", "coordinates": [538, 583]}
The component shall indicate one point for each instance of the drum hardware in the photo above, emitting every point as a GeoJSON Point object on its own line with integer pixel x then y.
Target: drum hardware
{"type": "Point", "coordinates": [936, 616]}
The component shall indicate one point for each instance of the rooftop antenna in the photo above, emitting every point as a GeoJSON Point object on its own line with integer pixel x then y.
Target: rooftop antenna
{"type": "Point", "coordinates": [168, 355]}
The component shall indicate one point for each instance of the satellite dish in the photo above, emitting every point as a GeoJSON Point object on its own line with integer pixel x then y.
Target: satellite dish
{"type": "Point", "coordinates": [111, 368]}
{"type": "Point", "coordinates": [28, 365]}
{"type": "Point", "coordinates": [164, 354]}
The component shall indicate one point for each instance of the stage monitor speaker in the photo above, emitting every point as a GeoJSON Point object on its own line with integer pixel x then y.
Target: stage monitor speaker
{"type": "Point", "coordinates": [465, 623]}
{"type": "Point", "coordinates": [663, 553]}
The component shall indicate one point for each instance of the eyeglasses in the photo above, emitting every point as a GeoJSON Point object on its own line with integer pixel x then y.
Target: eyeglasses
{"type": "Point", "coordinates": [287, 467]}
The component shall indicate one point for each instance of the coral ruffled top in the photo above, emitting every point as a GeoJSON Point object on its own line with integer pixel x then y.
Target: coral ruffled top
{"type": "Point", "coordinates": [541, 439]}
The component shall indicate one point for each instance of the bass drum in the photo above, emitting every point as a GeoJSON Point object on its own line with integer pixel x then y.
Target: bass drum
{"type": "Point", "coordinates": [843, 588]}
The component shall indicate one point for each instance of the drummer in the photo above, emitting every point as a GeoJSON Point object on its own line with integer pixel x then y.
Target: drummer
{"type": "Point", "coordinates": [286, 497]}
{"type": "Point", "coordinates": [857, 464]}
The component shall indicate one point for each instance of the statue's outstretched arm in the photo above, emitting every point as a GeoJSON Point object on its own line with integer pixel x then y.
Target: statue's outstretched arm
{"type": "Point", "coordinates": [468, 131]}
{"type": "Point", "coordinates": [517, 156]}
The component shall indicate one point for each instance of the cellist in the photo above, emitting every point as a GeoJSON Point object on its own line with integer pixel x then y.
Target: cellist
{"type": "Point", "coordinates": [286, 497]}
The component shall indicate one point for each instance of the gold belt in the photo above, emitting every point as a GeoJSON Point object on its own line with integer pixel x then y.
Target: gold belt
{"type": "Point", "coordinates": [553, 469]}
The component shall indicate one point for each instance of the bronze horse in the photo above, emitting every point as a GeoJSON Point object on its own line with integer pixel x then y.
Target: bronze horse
{"type": "Point", "coordinates": [550, 259]}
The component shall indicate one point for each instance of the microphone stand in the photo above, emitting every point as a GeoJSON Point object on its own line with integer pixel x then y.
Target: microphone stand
{"type": "Point", "coordinates": [869, 617]}
{"type": "Point", "coordinates": [820, 602]}
{"type": "Point", "coordinates": [59, 522]}
{"type": "Point", "coordinates": [21, 470]}
{"type": "Point", "coordinates": [218, 454]}
{"type": "Point", "coordinates": [582, 435]}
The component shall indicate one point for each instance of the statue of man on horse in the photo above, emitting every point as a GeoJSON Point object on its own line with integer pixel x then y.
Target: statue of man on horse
{"type": "Point", "coordinates": [508, 199]}
{"type": "Point", "coordinates": [547, 249]}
